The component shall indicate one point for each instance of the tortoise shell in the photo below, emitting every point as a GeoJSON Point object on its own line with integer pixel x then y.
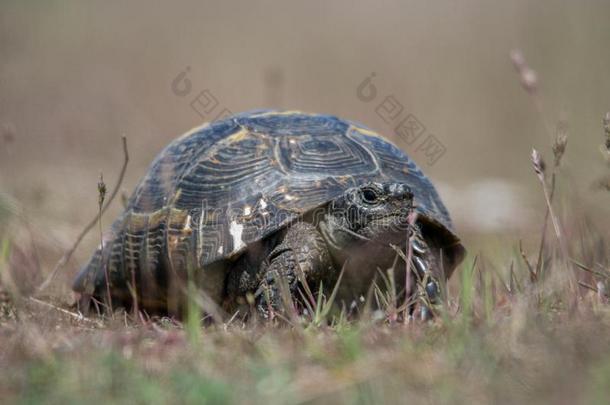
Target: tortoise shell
{"type": "Point", "coordinates": [233, 182]}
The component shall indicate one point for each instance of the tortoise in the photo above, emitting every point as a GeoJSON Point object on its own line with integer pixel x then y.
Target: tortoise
{"type": "Point", "coordinates": [243, 204]}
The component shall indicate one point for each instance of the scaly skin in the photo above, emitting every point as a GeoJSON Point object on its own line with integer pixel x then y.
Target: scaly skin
{"type": "Point", "coordinates": [302, 255]}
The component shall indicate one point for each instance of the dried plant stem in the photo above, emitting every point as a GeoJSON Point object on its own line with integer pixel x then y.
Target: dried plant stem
{"type": "Point", "coordinates": [554, 219]}
{"type": "Point", "coordinates": [587, 286]}
{"type": "Point", "coordinates": [539, 168]}
{"type": "Point", "coordinates": [408, 280]}
{"type": "Point", "coordinates": [68, 254]}
{"type": "Point", "coordinates": [134, 293]}
{"type": "Point", "coordinates": [530, 269]}
{"type": "Point", "coordinates": [544, 225]}
{"type": "Point", "coordinates": [102, 195]}
{"type": "Point", "coordinates": [559, 147]}
{"type": "Point", "coordinates": [599, 290]}
{"type": "Point", "coordinates": [561, 240]}
{"type": "Point", "coordinates": [581, 266]}
{"type": "Point", "coordinates": [74, 315]}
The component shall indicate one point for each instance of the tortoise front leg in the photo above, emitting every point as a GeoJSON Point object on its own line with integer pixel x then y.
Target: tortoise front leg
{"type": "Point", "coordinates": [302, 255]}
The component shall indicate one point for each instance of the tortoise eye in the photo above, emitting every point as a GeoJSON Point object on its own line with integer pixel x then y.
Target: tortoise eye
{"type": "Point", "coordinates": [370, 196]}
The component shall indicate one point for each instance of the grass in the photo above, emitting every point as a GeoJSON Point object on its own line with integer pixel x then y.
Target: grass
{"type": "Point", "coordinates": [522, 349]}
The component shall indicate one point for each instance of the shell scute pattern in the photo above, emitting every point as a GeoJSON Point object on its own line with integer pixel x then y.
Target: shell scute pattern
{"type": "Point", "coordinates": [218, 188]}
{"type": "Point", "coordinates": [160, 183]}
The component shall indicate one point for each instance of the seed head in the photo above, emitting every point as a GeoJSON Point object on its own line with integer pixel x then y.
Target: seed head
{"type": "Point", "coordinates": [101, 190]}
{"type": "Point", "coordinates": [527, 76]}
{"type": "Point", "coordinates": [539, 165]}
{"type": "Point", "coordinates": [561, 141]}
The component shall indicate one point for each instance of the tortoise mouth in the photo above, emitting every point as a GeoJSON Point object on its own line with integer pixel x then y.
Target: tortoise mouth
{"type": "Point", "coordinates": [381, 230]}
{"type": "Point", "coordinates": [397, 222]}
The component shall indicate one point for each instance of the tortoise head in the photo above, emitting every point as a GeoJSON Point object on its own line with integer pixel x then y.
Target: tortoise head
{"type": "Point", "coordinates": [373, 212]}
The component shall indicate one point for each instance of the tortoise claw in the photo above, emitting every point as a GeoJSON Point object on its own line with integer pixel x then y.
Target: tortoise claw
{"type": "Point", "coordinates": [418, 246]}
{"type": "Point", "coordinates": [426, 314]}
{"type": "Point", "coordinates": [432, 298]}
{"type": "Point", "coordinates": [433, 291]}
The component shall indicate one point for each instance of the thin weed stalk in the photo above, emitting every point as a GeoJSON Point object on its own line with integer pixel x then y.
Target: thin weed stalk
{"type": "Point", "coordinates": [408, 270]}
{"type": "Point", "coordinates": [101, 189]}
{"type": "Point", "coordinates": [68, 254]}
{"type": "Point", "coordinates": [539, 168]}
{"type": "Point", "coordinates": [193, 308]}
{"type": "Point", "coordinates": [6, 278]}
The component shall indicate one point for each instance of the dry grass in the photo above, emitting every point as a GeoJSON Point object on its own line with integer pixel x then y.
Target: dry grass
{"type": "Point", "coordinates": [498, 341]}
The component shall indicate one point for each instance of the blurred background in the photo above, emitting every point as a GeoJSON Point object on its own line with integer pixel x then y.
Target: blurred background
{"type": "Point", "coordinates": [75, 76]}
